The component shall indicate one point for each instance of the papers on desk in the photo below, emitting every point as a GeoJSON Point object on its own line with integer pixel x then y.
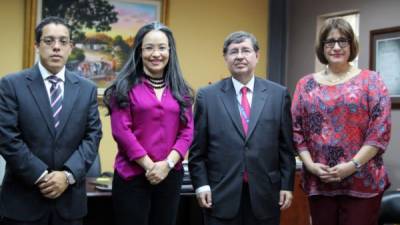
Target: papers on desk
{"type": "Point", "coordinates": [103, 183]}
{"type": "Point", "coordinates": [299, 163]}
{"type": "Point", "coordinates": [104, 188]}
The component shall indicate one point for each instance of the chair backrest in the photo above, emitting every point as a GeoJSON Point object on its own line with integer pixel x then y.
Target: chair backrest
{"type": "Point", "coordinates": [95, 169]}
{"type": "Point", "coordinates": [390, 208]}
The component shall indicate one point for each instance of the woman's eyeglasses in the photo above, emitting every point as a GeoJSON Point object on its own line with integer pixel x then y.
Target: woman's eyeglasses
{"type": "Point", "coordinates": [342, 42]}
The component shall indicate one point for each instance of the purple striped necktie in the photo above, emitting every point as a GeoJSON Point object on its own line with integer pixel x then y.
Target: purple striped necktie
{"type": "Point", "coordinates": [55, 98]}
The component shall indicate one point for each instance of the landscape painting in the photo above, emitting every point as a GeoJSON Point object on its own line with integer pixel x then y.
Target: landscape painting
{"type": "Point", "coordinates": [102, 31]}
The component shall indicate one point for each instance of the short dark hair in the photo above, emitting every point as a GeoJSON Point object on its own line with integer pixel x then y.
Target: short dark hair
{"type": "Point", "coordinates": [50, 20]}
{"type": "Point", "coordinates": [344, 28]}
{"type": "Point", "coordinates": [239, 37]}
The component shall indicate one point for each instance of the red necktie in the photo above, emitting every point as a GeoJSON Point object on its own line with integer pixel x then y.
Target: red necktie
{"type": "Point", "coordinates": [245, 109]}
{"type": "Point", "coordinates": [245, 115]}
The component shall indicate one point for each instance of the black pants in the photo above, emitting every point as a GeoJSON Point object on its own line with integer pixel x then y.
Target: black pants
{"type": "Point", "coordinates": [52, 218]}
{"type": "Point", "coordinates": [140, 203]}
{"type": "Point", "coordinates": [245, 215]}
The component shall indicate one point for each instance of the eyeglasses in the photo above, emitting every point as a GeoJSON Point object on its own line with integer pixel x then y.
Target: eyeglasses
{"type": "Point", "coordinates": [244, 52]}
{"type": "Point", "coordinates": [51, 41]}
{"type": "Point", "coordinates": [151, 49]}
{"type": "Point", "coordinates": [342, 42]}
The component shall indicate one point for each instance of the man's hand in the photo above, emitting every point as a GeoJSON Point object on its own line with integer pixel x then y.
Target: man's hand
{"type": "Point", "coordinates": [204, 199]}
{"type": "Point", "coordinates": [158, 173]}
{"type": "Point", "coordinates": [285, 199]}
{"type": "Point", "coordinates": [53, 184]}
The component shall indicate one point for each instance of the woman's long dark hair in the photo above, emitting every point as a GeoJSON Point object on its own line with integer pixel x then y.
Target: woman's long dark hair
{"type": "Point", "coordinates": [132, 72]}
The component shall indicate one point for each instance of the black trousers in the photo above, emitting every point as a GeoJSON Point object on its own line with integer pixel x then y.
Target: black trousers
{"type": "Point", "coordinates": [137, 202]}
{"type": "Point", "coordinates": [245, 215]}
{"type": "Point", "coordinates": [52, 218]}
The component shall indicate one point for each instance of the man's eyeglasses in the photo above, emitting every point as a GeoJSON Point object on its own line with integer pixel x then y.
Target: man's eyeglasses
{"type": "Point", "coordinates": [342, 42]}
{"type": "Point", "coordinates": [244, 52]}
{"type": "Point", "coordinates": [151, 49]}
{"type": "Point", "coordinates": [50, 41]}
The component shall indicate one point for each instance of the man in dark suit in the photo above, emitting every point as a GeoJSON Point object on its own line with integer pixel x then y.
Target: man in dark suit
{"type": "Point", "coordinates": [242, 159]}
{"type": "Point", "coordinates": [49, 135]}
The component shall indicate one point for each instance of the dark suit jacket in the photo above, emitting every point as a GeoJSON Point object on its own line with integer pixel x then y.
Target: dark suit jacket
{"type": "Point", "coordinates": [30, 144]}
{"type": "Point", "coordinates": [221, 151]}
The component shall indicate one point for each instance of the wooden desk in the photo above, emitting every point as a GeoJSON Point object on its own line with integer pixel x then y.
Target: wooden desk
{"type": "Point", "coordinates": [298, 213]}
{"type": "Point", "coordinates": [100, 208]}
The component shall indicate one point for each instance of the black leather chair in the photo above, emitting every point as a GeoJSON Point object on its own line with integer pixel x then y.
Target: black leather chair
{"type": "Point", "coordinates": [390, 208]}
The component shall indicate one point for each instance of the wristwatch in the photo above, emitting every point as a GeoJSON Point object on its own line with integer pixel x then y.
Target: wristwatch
{"type": "Point", "coordinates": [70, 177]}
{"type": "Point", "coordinates": [356, 164]}
{"type": "Point", "coordinates": [170, 163]}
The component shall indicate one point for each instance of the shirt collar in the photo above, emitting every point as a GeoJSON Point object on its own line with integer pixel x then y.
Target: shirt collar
{"type": "Point", "coordinates": [45, 73]}
{"type": "Point", "coordinates": [238, 86]}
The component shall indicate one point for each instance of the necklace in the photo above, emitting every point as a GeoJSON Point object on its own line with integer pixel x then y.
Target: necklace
{"type": "Point", "coordinates": [156, 82]}
{"type": "Point", "coordinates": [339, 76]}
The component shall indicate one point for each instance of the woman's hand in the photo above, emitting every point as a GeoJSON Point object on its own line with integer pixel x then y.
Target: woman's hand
{"type": "Point", "coordinates": [318, 169]}
{"type": "Point", "coordinates": [341, 171]}
{"type": "Point", "coordinates": [332, 174]}
{"type": "Point", "coordinates": [323, 172]}
{"type": "Point", "coordinates": [158, 172]}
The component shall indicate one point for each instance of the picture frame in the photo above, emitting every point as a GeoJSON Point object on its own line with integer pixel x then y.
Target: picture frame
{"type": "Point", "coordinates": [385, 59]}
{"type": "Point", "coordinates": [100, 51]}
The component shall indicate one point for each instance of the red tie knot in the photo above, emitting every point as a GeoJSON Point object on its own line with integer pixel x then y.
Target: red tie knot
{"type": "Point", "coordinates": [244, 90]}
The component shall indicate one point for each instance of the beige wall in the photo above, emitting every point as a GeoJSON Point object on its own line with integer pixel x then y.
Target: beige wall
{"type": "Point", "coordinates": [199, 27]}
{"type": "Point", "coordinates": [11, 39]}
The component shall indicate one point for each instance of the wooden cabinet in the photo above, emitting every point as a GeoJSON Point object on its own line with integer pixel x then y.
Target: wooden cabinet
{"type": "Point", "coordinates": [298, 213]}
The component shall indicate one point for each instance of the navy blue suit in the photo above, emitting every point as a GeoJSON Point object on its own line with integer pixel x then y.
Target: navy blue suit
{"type": "Point", "coordinates": [30, 144]}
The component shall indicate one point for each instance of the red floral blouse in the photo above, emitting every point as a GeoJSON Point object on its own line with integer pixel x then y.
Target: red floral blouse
{"type": "Point", "coordinates": [334, 122]}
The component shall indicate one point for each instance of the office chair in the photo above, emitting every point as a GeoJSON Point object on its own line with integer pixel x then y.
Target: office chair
{"type": "Point", "coordinates": [390, 208]}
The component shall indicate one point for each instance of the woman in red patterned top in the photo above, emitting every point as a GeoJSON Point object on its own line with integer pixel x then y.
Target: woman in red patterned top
{"type": "Point", "coordinates": [341, 129]}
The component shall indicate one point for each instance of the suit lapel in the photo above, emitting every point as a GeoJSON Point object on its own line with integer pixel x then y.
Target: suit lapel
{"type": "Point", "coordinates": [71, 91]}
{"type": "Point", "coordinates": [39, 93]}
{"type": "Point", "coordinates": [228, 97]}
{"type": "Point", "coordinates": [260, 96]}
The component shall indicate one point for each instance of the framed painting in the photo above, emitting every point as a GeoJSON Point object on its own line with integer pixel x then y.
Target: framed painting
{"type": "Point", "coordinates": [385, 59]}
{"type": "Point", "coordinates": [102, 31]}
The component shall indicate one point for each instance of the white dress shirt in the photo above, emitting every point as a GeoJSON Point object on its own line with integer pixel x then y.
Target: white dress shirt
{"type": "Point", "coordinates": [45, 74]}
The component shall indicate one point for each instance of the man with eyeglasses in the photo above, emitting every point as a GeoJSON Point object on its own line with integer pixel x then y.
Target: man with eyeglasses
{"type": "Point", "coordinates": [49, 135]}
{"type": "Point", "coordinates": [242, 158]}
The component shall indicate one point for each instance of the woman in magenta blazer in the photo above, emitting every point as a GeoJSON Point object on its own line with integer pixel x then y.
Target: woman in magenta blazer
{"type": "Point", "coordinates": [150, 105]}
